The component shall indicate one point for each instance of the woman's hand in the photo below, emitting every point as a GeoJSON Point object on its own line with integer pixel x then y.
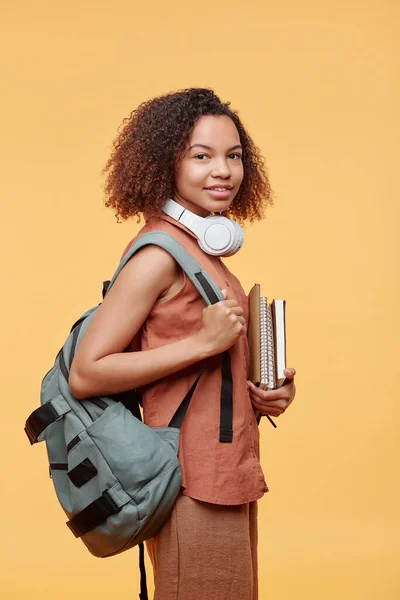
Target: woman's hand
{"type": "Point", "coordinates": [273, 402]}
{"type": "Point", "coordinates": [222, 324]}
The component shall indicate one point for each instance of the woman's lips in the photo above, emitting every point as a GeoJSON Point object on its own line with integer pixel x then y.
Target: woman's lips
{"type": "Point", "coordinates": [218, 194]}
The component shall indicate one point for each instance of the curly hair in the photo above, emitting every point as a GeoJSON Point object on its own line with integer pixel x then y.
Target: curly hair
{"type": "Point", "coordinates": [151, 142]}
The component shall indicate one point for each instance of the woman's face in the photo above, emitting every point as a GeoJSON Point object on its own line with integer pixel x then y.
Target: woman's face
{"type": "Point", "coordinates": [213, 159]}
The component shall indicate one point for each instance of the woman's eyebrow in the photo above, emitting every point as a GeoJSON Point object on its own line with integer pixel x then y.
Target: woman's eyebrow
{"type": "Point", "coordinates": [209, 147]}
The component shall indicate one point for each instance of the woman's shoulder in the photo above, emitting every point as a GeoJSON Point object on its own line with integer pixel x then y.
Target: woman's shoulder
{"type": "Point", "coordinates": [152, 224]}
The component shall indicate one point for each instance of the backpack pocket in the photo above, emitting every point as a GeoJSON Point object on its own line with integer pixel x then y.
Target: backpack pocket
{"type": "Point", "coordinates": [145, 462]}
{"type": "Point", "coordinates": [89, 474]}
{"type": "Point", "coordinates": [134, 452]}
{"type": "Point", "coordinates": [117, 479]}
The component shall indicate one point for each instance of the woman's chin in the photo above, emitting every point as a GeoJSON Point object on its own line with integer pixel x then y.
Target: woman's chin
{"type": "Point", "coordinates": [216, 206]}
{"type": "Point", "coordinates": [203, 205]}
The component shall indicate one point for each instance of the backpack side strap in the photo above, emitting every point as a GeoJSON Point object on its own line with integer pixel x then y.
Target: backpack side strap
{"type": "Point", "coordinates": [143, 579]}
{"type": "Point", "coordinates": [109, 503]}
{"type": "Point", "coordinates": [226, 414]}
{"type": "Point", "coordinates": [44, 416]}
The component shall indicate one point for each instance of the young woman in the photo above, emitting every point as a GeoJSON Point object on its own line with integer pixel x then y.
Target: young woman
{"type": "Point", "coordinates": [154, 333]}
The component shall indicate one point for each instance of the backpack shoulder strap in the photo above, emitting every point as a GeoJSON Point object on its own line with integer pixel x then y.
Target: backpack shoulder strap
{"type": "Point", "coordinates": [197, 275]}
{"type": "Point", "coordinates": [211, 294]}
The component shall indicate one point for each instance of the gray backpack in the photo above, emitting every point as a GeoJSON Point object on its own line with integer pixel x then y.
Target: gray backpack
{"type": "Point", "coordinates": [115, 477]}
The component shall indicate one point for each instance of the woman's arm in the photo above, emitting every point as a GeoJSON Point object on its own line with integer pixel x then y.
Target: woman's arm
{"type": "Point", "coordinates": [101, 366]}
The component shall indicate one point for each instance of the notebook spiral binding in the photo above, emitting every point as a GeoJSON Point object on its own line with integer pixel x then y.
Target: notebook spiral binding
{"type": "Point", "coordinates": [267, 371]}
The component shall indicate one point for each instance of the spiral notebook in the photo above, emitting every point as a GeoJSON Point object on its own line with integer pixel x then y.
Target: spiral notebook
{"type": "Point", "coordinates": [267, 340]}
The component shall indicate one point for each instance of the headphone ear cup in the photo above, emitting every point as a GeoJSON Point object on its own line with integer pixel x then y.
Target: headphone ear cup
{"type": "Point", "coordinates": [206, 248]}
{"type": "Point", "coordinates": [212, 238]}
{"type": "Point", "coordinates": [216, 229]}
{"type": "Point", "coordinates": [238, 239]}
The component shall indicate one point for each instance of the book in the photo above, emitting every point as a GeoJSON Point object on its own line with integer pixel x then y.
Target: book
{"type": "Point", "coordinates": [266, 333]}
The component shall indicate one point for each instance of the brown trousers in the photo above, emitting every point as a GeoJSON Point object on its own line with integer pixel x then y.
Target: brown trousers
{"type": "Point", "coordinates": [206, 552]}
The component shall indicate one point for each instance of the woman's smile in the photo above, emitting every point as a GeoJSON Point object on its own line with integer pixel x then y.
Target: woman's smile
{"type": "Point", "coordinates": [219, 193]}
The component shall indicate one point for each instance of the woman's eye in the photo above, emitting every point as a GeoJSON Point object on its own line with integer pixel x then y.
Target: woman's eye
{"type": "Point", "coordinates": [234, 154]}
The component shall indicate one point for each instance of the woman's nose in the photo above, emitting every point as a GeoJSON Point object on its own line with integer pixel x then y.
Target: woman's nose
{"type": "Point", "coordinates": [221, 169]}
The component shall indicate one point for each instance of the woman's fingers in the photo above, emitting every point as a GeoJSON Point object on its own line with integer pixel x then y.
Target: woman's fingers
{"type": "Point", "coordinates": [273, 402]}
{"type": "Point", "coordinates": [284, 392]}
{"type": "Point", "coordinates": [241, 320]}
{"type": "Point", "coordinates": [289, 372]}
{"type": "Point", "coordinates": [234, 310]}
{"type": "Point", "coordinates": [274, 410]}
{"type": "Point", "coordinates": [276, 404]}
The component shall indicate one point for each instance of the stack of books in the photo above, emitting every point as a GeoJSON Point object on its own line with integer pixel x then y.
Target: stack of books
{"type": "Point", "coordinates": [267, 340]}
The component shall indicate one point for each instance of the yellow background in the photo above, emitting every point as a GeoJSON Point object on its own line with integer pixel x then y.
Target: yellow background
{"type": "Point", "coordinates": [317, 85]}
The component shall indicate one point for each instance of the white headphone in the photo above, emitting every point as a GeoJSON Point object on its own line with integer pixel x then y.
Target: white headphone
{"type": "Point", "coordinates": [216, 235]}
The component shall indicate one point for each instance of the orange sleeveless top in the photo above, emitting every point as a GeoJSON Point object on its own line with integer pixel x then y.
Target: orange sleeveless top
{"type": "Point", "coordinates": [212, 471]}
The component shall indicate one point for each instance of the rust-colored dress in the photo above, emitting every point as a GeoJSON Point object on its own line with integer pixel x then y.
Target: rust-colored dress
{"type": "Point", "coordinates": [207, 549]}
